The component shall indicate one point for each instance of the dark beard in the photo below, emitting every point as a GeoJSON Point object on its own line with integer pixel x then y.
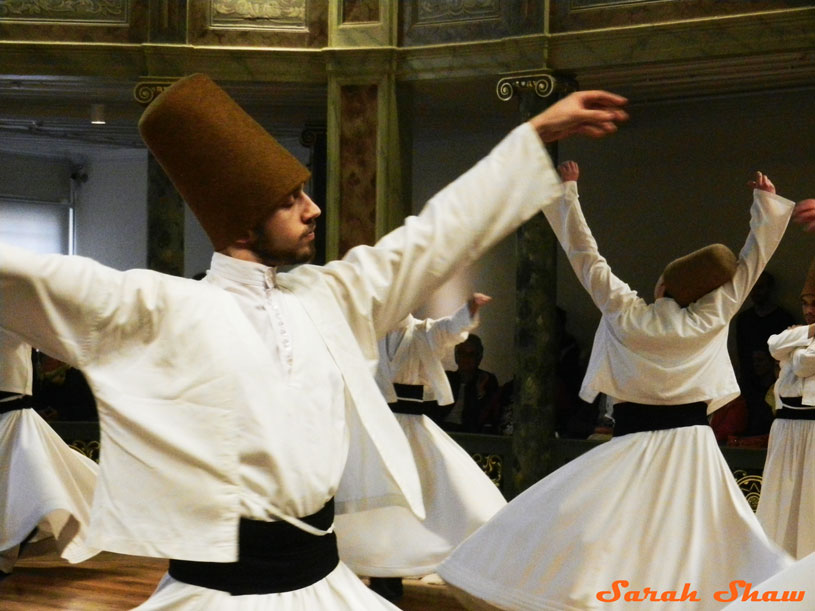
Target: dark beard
{"type": "Point", "coordinates": [273, 257]}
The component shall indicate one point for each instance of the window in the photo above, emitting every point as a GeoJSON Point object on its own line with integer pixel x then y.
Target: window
{"type": "Point", "coordinates": [45, 227]}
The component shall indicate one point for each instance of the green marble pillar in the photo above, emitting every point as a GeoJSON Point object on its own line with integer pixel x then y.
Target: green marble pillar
{"type": "Point", "coordinates": [535, 326]}
{"type": "Point", "coordinates": [165, 222]}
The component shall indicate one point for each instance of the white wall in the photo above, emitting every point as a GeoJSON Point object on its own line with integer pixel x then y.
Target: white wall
{"type": "Point", "coordinates": [440, 154]}
{"type": "Point", "coordinates": [111, 209]}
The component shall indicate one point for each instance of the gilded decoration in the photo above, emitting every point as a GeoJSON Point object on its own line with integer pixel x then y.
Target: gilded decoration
{"type": "Point", "coordinates": [492, 465]}
{"type": "Point", "coordinates": [147, 91]}
{"type": "Point", "coordinates": [267, 13]}
{"type": "Point", "coordinates": [436, 11]}
{"type": "Point", "coordinates": [360, 11]}
{"type": "Point", "coordinates": [543, 85]}
{"type": "Point", "coordinates": [86, 448]}
{"type": "Point", "coordinates": [750, 485]}
{"type": "Point", "coordinates": [106, 11]}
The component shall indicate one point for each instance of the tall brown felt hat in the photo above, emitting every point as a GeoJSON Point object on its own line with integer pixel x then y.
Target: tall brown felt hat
{"type": "Point", "coordinates": [809, 283]}
{"type": "Point", "coordinates": [693, 276]}
{"type": "Point", "coordinates": [229, 170]}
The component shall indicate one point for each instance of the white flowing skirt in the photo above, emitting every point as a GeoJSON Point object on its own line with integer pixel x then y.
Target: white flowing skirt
{"type": "Point", "coordinates": [657, 509]}
{"type": "Point", "coordinates": [792, 588]}
{"type": "Point", "coordinates": [786, 507]}
{"type": "Point", "coordinates": [340, 590]}
{"type": "Point", "coordinates": [391, 541]}
{"type": "Point", "coordinates": [44, 484]}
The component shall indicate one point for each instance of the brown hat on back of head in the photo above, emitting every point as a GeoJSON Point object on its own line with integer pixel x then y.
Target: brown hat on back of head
{"type": "Point", "coordinates": [229, 170]}
{"type": "Point", "coordinates": [809, 283]}
{"type": "Point", "coordinates": [695, 275]}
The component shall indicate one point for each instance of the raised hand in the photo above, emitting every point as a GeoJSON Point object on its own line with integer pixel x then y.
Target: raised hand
{"type": "Point", "coordinates": [804, 214]}
{"type": "Point", "coordinates": [475, 302]}
{"type": "Point", "coordinates": [590, 113]}
{"type": "Point", "coordinates": [761, 182]}
{"type": "Point", "coordinates": [568, 170]}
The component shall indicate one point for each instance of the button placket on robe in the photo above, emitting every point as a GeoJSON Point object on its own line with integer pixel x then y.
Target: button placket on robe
{"type": "Point", "coordinates": [278, 321]}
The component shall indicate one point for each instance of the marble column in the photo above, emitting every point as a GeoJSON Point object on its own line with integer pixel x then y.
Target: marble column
{"type": "Point", "coordinates": [536, 339]}
{"type": "Point", "coordinates": [165, 222]}
{"type": "Point", "coordinates": [366, 194]}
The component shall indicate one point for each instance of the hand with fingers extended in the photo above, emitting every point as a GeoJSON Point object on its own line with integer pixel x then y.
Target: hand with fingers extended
{"type": "Point", "coordinates": [568, 170]}
{"type": "Point", "coordinates": [804, 214]}
{"type": "Point", "coordinates": [762, 182]}
{"type": "Point", "coordinates": [590, 113]}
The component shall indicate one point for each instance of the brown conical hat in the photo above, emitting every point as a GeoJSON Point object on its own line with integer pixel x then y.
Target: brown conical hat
{"type": "Point", "coordinates": [229, 170]}
{"type": "Point", "coordinates": [693, 276]}
{"type": "Point", "coordinates": [809, 283]}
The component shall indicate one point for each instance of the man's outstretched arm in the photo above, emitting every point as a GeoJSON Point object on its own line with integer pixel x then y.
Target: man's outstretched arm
{"type": "Point", "coordinates": [506, 188]}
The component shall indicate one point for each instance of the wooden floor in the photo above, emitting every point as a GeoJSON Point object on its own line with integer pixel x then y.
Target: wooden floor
{"type": "Point", "coordinates": [110, 582]}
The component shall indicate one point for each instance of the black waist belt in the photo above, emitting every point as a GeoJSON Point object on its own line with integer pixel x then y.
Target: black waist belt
{"type": "Point", "coordinates": [15, 404]}
{"type": "Point", "coordinates": [409, 400]}
{"type": "Point", "coordinates": [273, 557]}
{"type": "Point", "coordinates": [409, 391]}
{"type": "Point", "coordinates": [806, 413]}
{"type": "Point", "coordinates": [636, 417]}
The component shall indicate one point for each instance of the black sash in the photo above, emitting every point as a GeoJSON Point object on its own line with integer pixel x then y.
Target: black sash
{"type": "Point", "coordinates": [273, 557]}
{"type": "Point", "coordinates": [23, 402]}
{"type": "Point", "coordinates": [409, 401]}
{"type": "Point", "coordinates": [636, 417]}
{"type": "Point", "coordinates": [806, 413]}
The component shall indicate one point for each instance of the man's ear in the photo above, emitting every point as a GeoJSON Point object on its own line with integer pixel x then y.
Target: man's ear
{"type": "Point", "coordinates": [247, 240]}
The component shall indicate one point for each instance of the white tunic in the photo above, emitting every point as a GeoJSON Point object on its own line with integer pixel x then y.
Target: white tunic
{"type": "Point", "coordinates": [413, 352]}
{"type": "Point", "coordinates": [786, 507]}
{"type": "Point", "coordinates": [629, 358]}
{"type": "Point", "coordinates": [795, 352]}
{"type": "Point", "coordinates": [459, 497]}
{"type": "Point", "coordinates": [195, 428]}
{"type": "Point", "coordinates": [46, 484]}
{"type": "Point", "coordinates": [657, 509]}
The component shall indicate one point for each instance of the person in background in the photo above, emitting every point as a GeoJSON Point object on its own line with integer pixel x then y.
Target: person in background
{"type": "Point", "coordinates": [458, 496]}
{"type": "Point", "coordinates": [656, 505]}
{"type": "Point", "coordinates": [475, 392]}
{"type": "Point", "coordinates": [786, 507]}
{"type": "Point", "coordinates": [46, 487]}
{"type": "Point", "coordinates": [754, 325]}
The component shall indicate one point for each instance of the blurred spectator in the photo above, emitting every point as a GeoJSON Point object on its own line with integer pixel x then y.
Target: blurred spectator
{"type": "Point", "coordinates": [754, 326]}
{"type": "Point", "coordinates": [476, 407]}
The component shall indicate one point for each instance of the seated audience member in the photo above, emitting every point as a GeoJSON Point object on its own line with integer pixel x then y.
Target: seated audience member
{"type": "Point", "coordinates": [45, 486]}
{"type": "Point", "coordinates": [475, 392]}
{"type": "Point", "coordinates": [729, 420]}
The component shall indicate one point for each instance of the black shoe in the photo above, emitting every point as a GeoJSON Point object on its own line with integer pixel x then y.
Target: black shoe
{"type": "Point", "coordinates": [389, 588]}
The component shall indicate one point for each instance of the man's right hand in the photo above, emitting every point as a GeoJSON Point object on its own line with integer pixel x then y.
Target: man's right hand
{"type": "Point", "coordinates": [590, 113]}
{"type": "Point", "coordinates": [762, 182]}
{"type": "Point", "coordinates": [568, 170]}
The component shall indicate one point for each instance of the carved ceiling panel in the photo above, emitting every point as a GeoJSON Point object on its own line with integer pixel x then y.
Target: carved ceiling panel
{"type": "Point", "coordinates": [259, 23]}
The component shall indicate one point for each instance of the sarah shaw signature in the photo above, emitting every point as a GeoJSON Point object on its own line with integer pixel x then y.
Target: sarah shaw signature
{"type": "Point", "coordinates": [737, 590]}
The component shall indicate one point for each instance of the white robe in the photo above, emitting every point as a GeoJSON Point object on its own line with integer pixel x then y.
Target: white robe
{"type": "Point", "coordinates": [655, 508]}
{"type": "Point", "coordinates": [786, 507]}
{"type": "Point", "coordinates": [183, 379]}
{"type": "Point", "coordinates": [458, 496]}
{"type": "Point", "coordinates": [44, 484]}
